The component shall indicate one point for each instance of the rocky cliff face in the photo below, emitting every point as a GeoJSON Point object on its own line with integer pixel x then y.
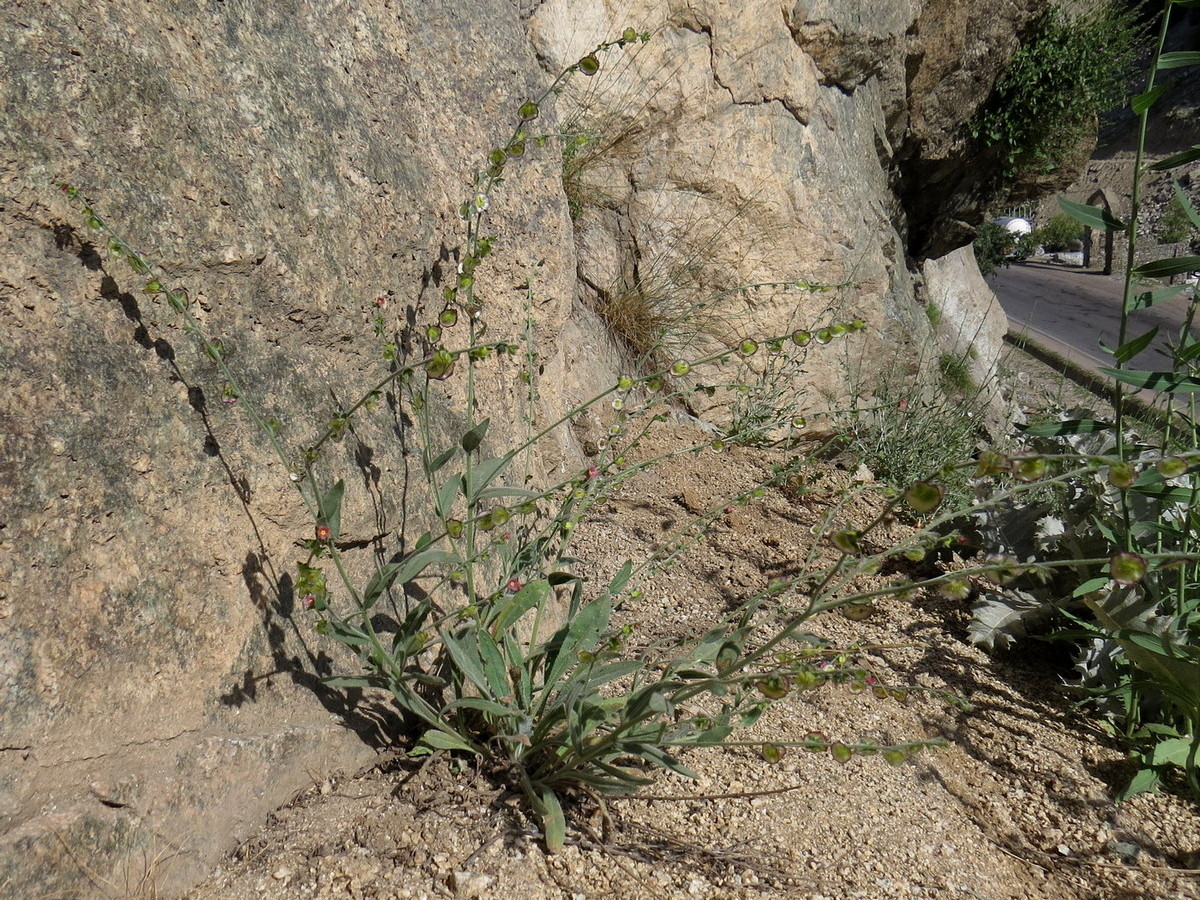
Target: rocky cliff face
{"type": "Point", "coordinates": [289, 162]}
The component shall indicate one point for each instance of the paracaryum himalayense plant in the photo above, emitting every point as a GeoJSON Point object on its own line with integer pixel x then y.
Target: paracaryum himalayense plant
{"type": "Point", "coordinates": [489, 641]}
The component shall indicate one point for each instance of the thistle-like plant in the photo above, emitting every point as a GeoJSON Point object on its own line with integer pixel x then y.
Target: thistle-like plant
{"type": "Point", "coordinates": [1130, 501]}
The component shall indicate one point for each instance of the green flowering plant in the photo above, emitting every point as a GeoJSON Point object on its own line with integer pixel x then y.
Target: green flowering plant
{"type": "Point", "coordinates": [490, 642]}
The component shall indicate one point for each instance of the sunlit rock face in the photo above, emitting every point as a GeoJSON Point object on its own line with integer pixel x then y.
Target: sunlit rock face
{"type": "Point", "coordinates": [290, 162]}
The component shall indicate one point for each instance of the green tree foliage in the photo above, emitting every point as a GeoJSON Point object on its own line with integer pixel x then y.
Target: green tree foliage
{"type": "Point", "coordinates": [1175, 226]}
{"type": "Point", "coordinates": [1059, 234]}
{"type": "Point", "coordinates": [1068, 71]}
{"type": "Point", "coordinates": [993, 244]}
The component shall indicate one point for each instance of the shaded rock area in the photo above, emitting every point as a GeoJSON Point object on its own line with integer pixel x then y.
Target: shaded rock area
{"type": "Point", "coordinates": [287, 163]}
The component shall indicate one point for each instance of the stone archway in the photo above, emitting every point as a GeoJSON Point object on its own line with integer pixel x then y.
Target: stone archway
{"type": "Point", "coordinates": [1102, 199]}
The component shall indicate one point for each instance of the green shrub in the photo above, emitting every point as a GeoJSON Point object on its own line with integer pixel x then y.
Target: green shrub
{"type": "Point", "coordinates": [1060, 234]}
{"type": "Point", "coordinates": [905, 432]}
{"type": "Point", "coordinates": [955, 371]}
{"type": "Point", "coordinates": [992, 246]}
{"type": "Point", "coordinates": [1069, 70]}
{"type": "Point", "coordinates": [1175, 225]}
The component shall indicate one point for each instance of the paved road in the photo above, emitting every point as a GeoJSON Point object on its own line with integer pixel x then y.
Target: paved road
{"type": "Point", "coordinates": [1071, 310]}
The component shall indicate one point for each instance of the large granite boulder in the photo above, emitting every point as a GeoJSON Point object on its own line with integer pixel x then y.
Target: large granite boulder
{"type": "Point", "coordinates": [287, 163]}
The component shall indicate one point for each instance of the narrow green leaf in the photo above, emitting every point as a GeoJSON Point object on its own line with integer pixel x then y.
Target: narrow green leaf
{"type": "Point", "coordinates": [1105, 530]}
{"type": "Point", "coordinates": [1163, 268]}
{"type": "Point", "coordinates": [620, 580]}
{"type": "Point", "coordinates": [623, 780]}
{"type": "Point", "coordinates": [441, 740]}
{"type": "Point", "coordinates": [1130, 349]}
{"type": "Point", "coordinates": [1092, 584]}
{"type": "Point", "coordinates": [1091, 216]}
{"type": "Point", "coordinates": [659, 757]}
{"type": "Point", "coordinates": [1146, 299]}
{"type": "Point", "coordinates": [1167, 382]}
{"type": "Point", "coordinates": [482, 474]}
{"type": "Point", "coordinates": [554, 823]}
{"type": "Point", "coordinates": [472, 439]}
{"type": "Point", "coordinates": [433, 465]}
{"type": "Point", "coordinates": [1188, 352]}
{"type": "Point", "coordinates": [494, 493]}
{"type": "Point", "coordinates": [1143, 102]}
{"type": "Point", "coordinates": [446, 494]}
{"type": "Point", "coordinates": [1178, 159]}
{"type": "Point", "coordinates": [348, 634]}
{"type": "Point", "coordinates": [1178, 59]}
{"type": "Point", "coordinates": [507, 612]}
{"type": "Point", "coordinates": [351, 681]}
{"type": "Point", "coordinates": [1166, 494]}
{"type": "Point", "coordinates": [614, 670]}
{"type": "Point", "coordinates": [1186, 202]}
{"type": "Point", "coordinates": [516, 653]}
{"type": "Point", "coordinates": [466, 659]}
{"type": "Point", "coordinates": [493, 665]}
{"type": "Point", "coordinates": [580, 633]}
{"type": "Point", "coordinates": [330, 508]}
{"type": "Point", "coordinates": [712, 736]}
{"type": "Point", "coordinates": [406, 570]}
{"type": "Point", "coordinates": [488, 706]}
{"type": "Point", "coordinates": [1146, 779]}
{"type": "Point", "coordinates": [1070, 426]}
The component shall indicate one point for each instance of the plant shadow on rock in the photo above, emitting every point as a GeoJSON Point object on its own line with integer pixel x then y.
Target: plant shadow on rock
{"type": "Point", "coordinates": [273, 596]}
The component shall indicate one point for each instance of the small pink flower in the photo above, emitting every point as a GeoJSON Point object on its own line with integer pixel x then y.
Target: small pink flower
{"type": "Point", "coordinates": [309, 601]}
{"type": "Point", "coordinates": [902, 406]}
{"type": "Point", "coordinates": [324, 533]}
{"type": "Point", "coordinates": [514, 585]}
{"type": "Point", "coordinates": [381, 302]}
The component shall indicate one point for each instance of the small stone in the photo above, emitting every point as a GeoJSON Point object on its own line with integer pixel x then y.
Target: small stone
{"type": "Point", "coordinates": [468, 885]}
{"type": "Point", "coordinates": [283, 873]}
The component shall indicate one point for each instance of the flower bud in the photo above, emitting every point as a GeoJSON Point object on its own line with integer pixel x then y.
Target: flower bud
{"type": "Point", "coordinates": [772, 753]}
{"type": "Point", "coordinates": [1127, 568]}
{"type": "Point", "coordinates": [1122, 475]}
{"type": "Point", "coordinates": [774, 687]}
{"type": "Point", "coordinates": [923, 497]}
{"type": "Point", "coordinates": [1171, 467]}
{"type": "Point", "coordinates": [845, 540]}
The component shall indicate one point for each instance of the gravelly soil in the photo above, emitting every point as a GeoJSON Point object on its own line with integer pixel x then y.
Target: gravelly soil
{"type": "Point", "coordinates": [1018, 806]}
